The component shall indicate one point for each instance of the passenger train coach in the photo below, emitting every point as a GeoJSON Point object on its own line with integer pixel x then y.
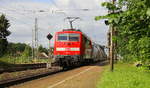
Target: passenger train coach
{"type": "Point", "coordinates": [72, 47]}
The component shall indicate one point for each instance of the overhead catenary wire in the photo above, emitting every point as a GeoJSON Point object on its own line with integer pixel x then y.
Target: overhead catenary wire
{"type": "Point", "coordinates": [24, 15]}
{"type": "Point", "coordinates": [18, 20]}
{"type": "Point", "coordinates": [24, 11]}
{"type": "Point", "coordinates": [53, 2]}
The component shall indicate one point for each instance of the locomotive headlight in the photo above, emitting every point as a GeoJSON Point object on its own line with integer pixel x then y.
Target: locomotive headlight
{"type": "Point", "coordinates": [68, 49]}
{"type": "Point", "coordinates": [60, 49]}
{"type": "Point", "coordinates": [74, 49]}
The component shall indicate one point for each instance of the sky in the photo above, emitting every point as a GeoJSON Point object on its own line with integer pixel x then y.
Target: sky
{"type": "Point", "coordinates": [50, 15]}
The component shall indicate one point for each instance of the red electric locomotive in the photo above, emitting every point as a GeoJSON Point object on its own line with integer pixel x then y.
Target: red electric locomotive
{"type": "Point", "coordinates": [70, 47]}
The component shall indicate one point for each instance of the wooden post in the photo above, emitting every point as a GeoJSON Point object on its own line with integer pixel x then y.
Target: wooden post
{"type": "Point", "coordinates": [111, 50]}
{"type": "Point", "coordinates": [115, 46]}
{"type": "Point", "coordinates": [108, 46]}
{"type": "Point", "coordinates": [112, 45]}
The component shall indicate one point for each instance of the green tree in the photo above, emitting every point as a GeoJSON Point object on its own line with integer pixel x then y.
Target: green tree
{"type": "Point", "coordinates": [27, 52]}
{"type": "Point", "coordinates": [4, 32]}
{"type": "Point", "coordinates": [131, 19]}
{"type": "Point", "coordinates": [14, 48]}
{"type": "Point", "coordinates": [42, 49]}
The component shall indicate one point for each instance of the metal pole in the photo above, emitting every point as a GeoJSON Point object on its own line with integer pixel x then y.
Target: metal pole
{"type": "Point", "coordinates": [35, 41]}
{"type": "Point", "coordinates": [71, 24]}
{"type": "Point", "coordinates": [71, 20]}
{"type": "Point", "coordinates": [49, 50]}
{"type": "Point", "coordinates": [35, 38]}
{"type": "Point", "coordinates": [32, 44]}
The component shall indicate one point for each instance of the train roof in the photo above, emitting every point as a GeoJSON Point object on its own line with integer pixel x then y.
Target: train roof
{"type": "Point", "coordinates": [69, 31]}
{"type": "Point", "coordinates": [96, 44]}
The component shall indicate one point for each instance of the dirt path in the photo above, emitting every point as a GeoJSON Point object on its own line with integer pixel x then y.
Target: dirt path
{"type": "Point", "coordinates": [83, 77]}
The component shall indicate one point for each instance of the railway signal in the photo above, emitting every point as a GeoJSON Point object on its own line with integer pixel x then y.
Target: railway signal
{"type": "Point", "coordinates": [49, 36]}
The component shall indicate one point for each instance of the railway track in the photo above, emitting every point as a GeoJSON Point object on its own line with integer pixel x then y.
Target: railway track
{"type": "Point", "coordinates": [21, 79]}
{"type": "Point", "coordinates": [21, 67]}
{"type": "Point", "coordinates": [81, 77]}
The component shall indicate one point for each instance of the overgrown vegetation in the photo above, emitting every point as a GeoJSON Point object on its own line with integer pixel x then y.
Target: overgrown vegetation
{"type": "Point", "coordinates": [42, 49]}
{"type": "Point", "coordinates": [20, 53]}
{"type": "Point", "coordinates": [125, 76]}
{"type": "Point", "coordinates": [7, 60]}
{"type": "Point", "coordinates": [16, 49]}
{"type": "Point", "coordinates": [131, 19]}
{"type": "Point", "coordinates": [14, 53]}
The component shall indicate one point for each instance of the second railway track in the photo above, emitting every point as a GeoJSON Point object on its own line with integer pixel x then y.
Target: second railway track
{"type": "Point", "coordinates": [81, 77]}
{"type": "Point", "coordinates": [24, 78]}
{"type": "Point", "coordinates": [21, 67]}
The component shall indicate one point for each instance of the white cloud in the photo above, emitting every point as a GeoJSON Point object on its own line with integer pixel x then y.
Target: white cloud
{"type": "Point", "coordinates": [21, 14]}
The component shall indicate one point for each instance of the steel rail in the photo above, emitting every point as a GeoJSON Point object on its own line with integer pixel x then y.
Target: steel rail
{"type": "Point", "coordinates": [21, 67]}
{"type": "Point", "coordinates": [21, 79]}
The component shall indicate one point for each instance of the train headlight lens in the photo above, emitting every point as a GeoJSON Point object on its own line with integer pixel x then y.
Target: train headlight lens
{"type": "Point", "coordinates": [67, 49]}
{"type": "Point", "coordinates": [60, 49]}
{"type": "Point", "coordinates": [74, 49]}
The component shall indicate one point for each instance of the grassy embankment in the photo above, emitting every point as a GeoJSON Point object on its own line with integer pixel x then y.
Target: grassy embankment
{"type": "Point", "coordinates": [125, 76]}
{"type": "Point", "coordinates": [7, 62]}
{"type": "Point", "coordinates": [11, 61]}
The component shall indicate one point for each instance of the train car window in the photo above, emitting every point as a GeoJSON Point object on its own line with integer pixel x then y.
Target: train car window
{"type": "Point", "coordinates": [73, 37]}
{"type": "Point", "coordinates": [62, 37]}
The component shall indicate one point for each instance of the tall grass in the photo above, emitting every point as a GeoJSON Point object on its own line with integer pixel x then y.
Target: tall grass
{"type": "Point", "coordinates": [9, 61]}
{"type": "Point", "coordinates": [125, 76]}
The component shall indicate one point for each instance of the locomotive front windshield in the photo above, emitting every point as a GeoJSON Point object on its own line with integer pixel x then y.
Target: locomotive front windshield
{"type": "Point", "coordinates": [68, 37]}
{"type": "Point", "coordinates": [62, 37]}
